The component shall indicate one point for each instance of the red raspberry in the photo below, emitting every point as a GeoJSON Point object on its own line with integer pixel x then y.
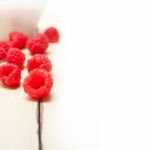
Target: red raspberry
{"type": "Point", "coordinates": [15, 56]}
{"type": "Point", "coordinates": [4, 47]}
{"type": "Point", "coordinates": [52, 34]}
{"type": "Point", "coordinates": [17, 40]}
{"type": "Point", "coordinates": [38, 84]}
{"type": "Point", "coordinates": [39, 61]}
{"type": "Point", "coordinates": [3, 54]}
{"type": "Point", "coordinates": [38, 44]}
{"type": "Point", "coordinates": [10, 75]}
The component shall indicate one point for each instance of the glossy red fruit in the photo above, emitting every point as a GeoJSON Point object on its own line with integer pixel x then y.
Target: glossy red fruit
{"type": "Point", "coordinates": [17, 40]}
{"type": "Point", "coordinates": [38, 84]}
{"type": "Point", "coordinates": [52, 34]}
{"type": "Point", "coordinates": [39, 61]}
{"type": "Point", "coordinates": [10, 75]}
{"type": "Point", "coordinates": [15, 56]}
{"type": "Point", "coordinates": [38, 44]}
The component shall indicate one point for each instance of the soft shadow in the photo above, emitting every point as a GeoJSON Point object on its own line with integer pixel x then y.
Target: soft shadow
{"type": "Point", "coordinates": [48, 99]}
{"type": "Point", "coordinates": [52, 74]}
{"type": "Point", "coordinates": [45, 100]}
{"type": "Point", "coordinates": [9, 88]}
{"type": "Point", "coordinates": [47, 53]}
{"type": "Point", "coordinates": [23, 68]}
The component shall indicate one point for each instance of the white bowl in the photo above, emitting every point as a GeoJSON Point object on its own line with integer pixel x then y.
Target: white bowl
{"type": "Point", "coordinates": [20, 15]}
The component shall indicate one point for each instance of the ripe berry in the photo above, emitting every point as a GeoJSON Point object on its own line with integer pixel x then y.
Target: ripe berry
{"type": "Point", "coordinates": [17, 40]}
{"type": "Point", "coordinates": [10, 75]}
{"type": "Point", "coordinates": [38, 44]}
{"type": "Point", "coordinates": [3, 54]}
{"type": "Point", "coordinates": [38, 84]}
{"type": "Point", "coordinates": [4, 45]}
{"type": "Point", "coordinates": [39, 61]}
{"type": "Point", "coordinates": [15, 56]}
{"type": "Point", "coordinates": [52, 34]}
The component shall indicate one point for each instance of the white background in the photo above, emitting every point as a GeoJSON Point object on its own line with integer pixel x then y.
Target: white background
{"type": "Point", "coordinates": [124, 75]}
{"type": "Point", "coordinates": [70, 120]}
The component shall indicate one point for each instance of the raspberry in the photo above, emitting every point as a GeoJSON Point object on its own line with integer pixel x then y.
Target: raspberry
{"type": "Point", "coordinates": [15, 56]}
{"type": "Point", "coordinates": [38, 44]}
{"type": "Point", "coordinates": [4, 45]}
{"type": "Point", "coordinates": [17, 40]}
{"type": "Point", "coordinates": [52, 34]}
{"type": "Point", "coordinates": [38, 83]}
{"type": "Point", "coordinates": [39, 61]}
{"type": "Point", "coordinates": [2, 54]}
{"type": "Point", "coordinates": [10, 75]}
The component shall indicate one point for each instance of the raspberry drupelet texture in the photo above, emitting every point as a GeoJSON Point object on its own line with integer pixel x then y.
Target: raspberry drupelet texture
{"type": "Point", "coordinates": [38, 44]}
{"type": "Point", "coordinates": [4, 47]}
{"type": "Point", "coordinates": [38, 84]}
{"type": "Point", "coordinates": [3, 54]}
{"type": "Point", "coordinates": [17, 40]}
{"type": "Point", "coordinates": [10, 75]}
{"type": "Point", "coordinates": [15, 56]}
{"type": "Point", "coordinates": [39, 61]}
{"type": "Point", "coordinates": [52, 34]}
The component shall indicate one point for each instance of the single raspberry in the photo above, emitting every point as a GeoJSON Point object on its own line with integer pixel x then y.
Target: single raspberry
{"type": "Point", "coordinates": [4, 45]}
{"type": "Point", "coordinates": [10, 75]}
{"type": "Point", "coordinates": [17, 40]}
{"type": "Point", "coordinates": [52, 34]}
{"type": "Point", "coordinates": [38, 44]}
{"type": "Point", "coordinates": [38, 84]}
{"type": "Point", "coordinates": [15, 56]}
{"type": "Point", "coordinates": [39, 61]}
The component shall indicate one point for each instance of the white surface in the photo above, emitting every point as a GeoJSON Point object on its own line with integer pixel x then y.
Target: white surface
{"type": "Point", "coordinates": [105, 72]}
{"type": "Point", "coordinates": [18, 123]}
{"type": "Point", "coordinates": [70, 121]}
{"type": "Point", "coordinates": [108, 69]}
{"type": "Point", "coordinates": [70, 118]}
{"type": "Point", "coordinates": [124, 75]}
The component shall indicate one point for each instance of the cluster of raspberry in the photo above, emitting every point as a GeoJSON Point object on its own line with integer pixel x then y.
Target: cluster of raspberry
{"type": "Point", "coordinates": [39, 81]}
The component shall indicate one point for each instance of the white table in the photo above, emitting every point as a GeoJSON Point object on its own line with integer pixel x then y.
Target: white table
{"type": "Point", "coordinates": [69, 120]}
